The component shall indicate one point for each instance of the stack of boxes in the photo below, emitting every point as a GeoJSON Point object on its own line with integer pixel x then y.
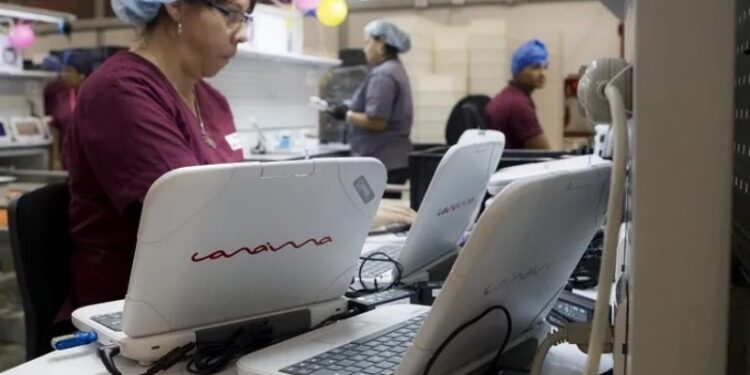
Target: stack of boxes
{"type": "Point", "coordinates": [446, 63]}
{"type": "Point", "coordinates": [435, 95]}
{"type": "Point", "coordinates": [489, 66]}
{"type": "Point", "coordinates": [419, 60]}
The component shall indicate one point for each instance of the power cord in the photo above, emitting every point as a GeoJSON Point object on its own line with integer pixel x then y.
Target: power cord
{"type": "Point", "coordinates": [384, 258]}
{"type": "Point", "coordinates": [108, 353]}
{"type": "Point", "coordinates": [205, 358]}
{"type": "Point", "coordinates": [212, 357]}
{"type": "Point", "coordinates": [344, 315]}
{"type": "Point", "coordinates": [457, 331]}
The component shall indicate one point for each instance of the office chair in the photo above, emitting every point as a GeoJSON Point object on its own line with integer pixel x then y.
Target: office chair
{"type": "Point", "coordinates": [468, 113]}
{"type": "Point", "coordinates": [42, 249]}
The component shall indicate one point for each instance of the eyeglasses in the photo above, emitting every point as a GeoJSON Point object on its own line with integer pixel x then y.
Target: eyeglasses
{"type": "Point", "coordinates": [233, 17]}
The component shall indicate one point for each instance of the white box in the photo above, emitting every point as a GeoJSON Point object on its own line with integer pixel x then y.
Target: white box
{"type": "Point", "coordinates": [487, 26]}
{"type": "Point", "coordinates": [412, 22]}
{"type": "Point", "coordinates": [435, 82]}
{"type": "Point", "coordinates": [420, 40]}
{"type": "Point", "coordinates": [488, 71]}
{"type": "Point", "coordinates": [429, 131]}
{"type": "Point", "coordinates": [459, 71]}
{"type": "Point", "coordinates": [486, 87]}
{"type": "Point", "coordinates": [489, 56]}
{"type": "Point", "coordinates": [415, 69]}
{"type": "Point", "coordinates": [454, 56]}
{"type": "Point", "coordinates": [418, 55]}
{"type": "Point", "coordinates": [487, 41]}
{"type": "Point", "coordinates": [426, 99]}
{"type": "Point", "coordinates": [432, 113]}
{"type": "Point", "coordinates": [451, 38]}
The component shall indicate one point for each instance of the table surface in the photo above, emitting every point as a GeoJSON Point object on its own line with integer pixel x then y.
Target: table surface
{"type": "Point", "coordinates": [562, 360]}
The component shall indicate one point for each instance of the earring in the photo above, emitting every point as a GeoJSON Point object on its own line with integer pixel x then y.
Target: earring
{"type": "Point", "coordinates": [179, 28]}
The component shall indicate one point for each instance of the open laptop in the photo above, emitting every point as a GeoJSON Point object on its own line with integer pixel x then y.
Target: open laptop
{"type": "Point", "coordinates": [450, 203]}
{"type": "Point", "coordinates": [506, 176]}
{"type": "Point", "coordinates": [524, 248]}
{"type": "Point", "coordinates": [219, 246]}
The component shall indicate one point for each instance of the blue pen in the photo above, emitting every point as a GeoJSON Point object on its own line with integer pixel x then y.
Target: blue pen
{"type": "Point", "coordinates": [73, 340]}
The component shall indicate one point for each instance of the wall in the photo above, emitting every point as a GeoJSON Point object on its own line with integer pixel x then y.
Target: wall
{"type": "Point", "coordinates": [588, 30]}
{"type": "Point", "coordinates": [683, 53]}
{"type": "Point", "coordinates": [576, 33]}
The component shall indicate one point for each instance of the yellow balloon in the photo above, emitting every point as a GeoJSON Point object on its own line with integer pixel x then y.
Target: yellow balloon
{"type": "Point", "coordinates": [332, 12]}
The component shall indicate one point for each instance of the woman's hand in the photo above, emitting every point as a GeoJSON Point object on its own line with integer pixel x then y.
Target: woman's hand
{"type": "Point", "coordinates": [393, 212]}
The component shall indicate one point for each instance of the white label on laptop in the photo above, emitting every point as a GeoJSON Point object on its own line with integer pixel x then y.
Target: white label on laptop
{"type": "Point", "coordinates": [235, 141]}
{"type": "Point", "coordinates": [364, 189]}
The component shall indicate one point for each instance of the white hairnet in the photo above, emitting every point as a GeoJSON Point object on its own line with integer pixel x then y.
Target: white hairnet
{"type": "Point", "coordinates": [138, 12]}
{"type": "Point", "coordinates": [390, 33]}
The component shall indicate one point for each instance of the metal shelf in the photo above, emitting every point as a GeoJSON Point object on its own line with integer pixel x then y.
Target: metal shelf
{"type": "Point", "coordinates": [28, 74]}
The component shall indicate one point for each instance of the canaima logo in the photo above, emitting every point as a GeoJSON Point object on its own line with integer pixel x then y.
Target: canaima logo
{"type": "Point", "coordinates": [532, 272]}
{"type": "Point", "coordinates": [263, 248]}
{"type": "Point", "coordinates": [456, 206]}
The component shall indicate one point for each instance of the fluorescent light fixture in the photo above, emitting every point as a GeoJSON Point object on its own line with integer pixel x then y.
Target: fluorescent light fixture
{"type": "Point", "coordinates": [35, 14]}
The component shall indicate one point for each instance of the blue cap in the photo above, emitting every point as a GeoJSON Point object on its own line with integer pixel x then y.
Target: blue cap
{"type": "Point", "coordinates": [52, 64]}
{"type": "Point", "coordinates": [533, 52]}
{"type": "Point", "coordinates": [80, 60]}
{"type": "Point", "coordinates": [138, 12]}
{"type": "Point", "coordinates": [390, 33]}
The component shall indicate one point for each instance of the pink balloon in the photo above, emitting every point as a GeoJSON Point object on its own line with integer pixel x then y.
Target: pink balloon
{"type": "Point", "coordinates": [306, 5]}
{"type": "Point", "coordinates": [21, 36]}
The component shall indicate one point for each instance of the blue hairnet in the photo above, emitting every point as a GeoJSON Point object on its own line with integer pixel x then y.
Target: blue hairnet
{"type": "Point", "coordinates": [138, 12]}
{"type": "Point", "coordinates": [390, 33]}
{"type": "Point", "coordinates": [80, 60]}
{"type": "Point", "coordinates": [52, 64]}
{"type": "Point", "coordinates": [532, 53]}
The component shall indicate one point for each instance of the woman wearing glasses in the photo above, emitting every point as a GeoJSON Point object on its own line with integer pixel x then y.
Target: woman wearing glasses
{"type": "Point", "coordinates": [141, 114]}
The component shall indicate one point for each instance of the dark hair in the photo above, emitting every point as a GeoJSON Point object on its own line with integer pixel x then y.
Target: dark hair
{"type": "Point", "coordinates": [391, 52]}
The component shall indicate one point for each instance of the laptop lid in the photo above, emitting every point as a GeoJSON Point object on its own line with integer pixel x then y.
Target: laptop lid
{"type": "Point", "coordinates": [505, 176]}
{"type": "Point", "coordinates": [224, 242]}
{"type": "Point", "coordinates": [524, 248]}
{"type": "Point", "coordinates": [456, 190]}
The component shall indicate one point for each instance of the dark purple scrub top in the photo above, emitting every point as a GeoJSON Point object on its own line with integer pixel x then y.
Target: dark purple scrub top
{"type": "Point", "coordinates": [130, 128]}
{"type": "Point", "coordinates": [513, 112]}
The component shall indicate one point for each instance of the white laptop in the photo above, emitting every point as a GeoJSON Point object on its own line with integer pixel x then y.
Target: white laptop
{"type": "Point", "coordinates": [449, 205]}
{"type": "Point", "coordinates": [524, 248]}
{"type": "Point", "coordinates": [506, 176]}
{"type": "Point", "coordinates": [227, 244]}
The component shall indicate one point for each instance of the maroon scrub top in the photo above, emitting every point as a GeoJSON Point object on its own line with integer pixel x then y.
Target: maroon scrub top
{"type": "Point", "coordinates": [513, 112]}
{"type": "Point", "coordinates": [130, 128]}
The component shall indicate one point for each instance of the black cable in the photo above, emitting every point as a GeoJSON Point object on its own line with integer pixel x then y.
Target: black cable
{"type": "Point", "coordinates": [206, 358]}
{"type": "Point", "coordinates": [468, 324]}
{"type": "Point", "coordinates": [107, 355]}
{"type": "Point", "coordinates": [212, 357]}
{"type": "Point", "coordinates": [386, 258]}
{"type": "Point", "coordinates": [344, 315]}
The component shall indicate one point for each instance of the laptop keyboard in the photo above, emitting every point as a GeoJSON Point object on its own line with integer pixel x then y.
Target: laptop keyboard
{"type": "Point", "coordinates": [112, 321]}
{"type": "Point", "coordinates": [376, 354]}
{"type": "Point", "coordinates": [374, 267]}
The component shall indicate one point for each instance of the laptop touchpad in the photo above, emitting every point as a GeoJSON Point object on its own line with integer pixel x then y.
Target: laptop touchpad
{"type": "Point", "coordinates": [345, 332]}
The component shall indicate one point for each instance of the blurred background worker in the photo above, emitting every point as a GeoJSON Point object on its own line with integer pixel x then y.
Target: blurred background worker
{"type": "Point", "coordinates": [513, 111]}
{"type": "Point", "coordinates": [381, 112]}
{"type": "Point", "coordinates": [61, 96]}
